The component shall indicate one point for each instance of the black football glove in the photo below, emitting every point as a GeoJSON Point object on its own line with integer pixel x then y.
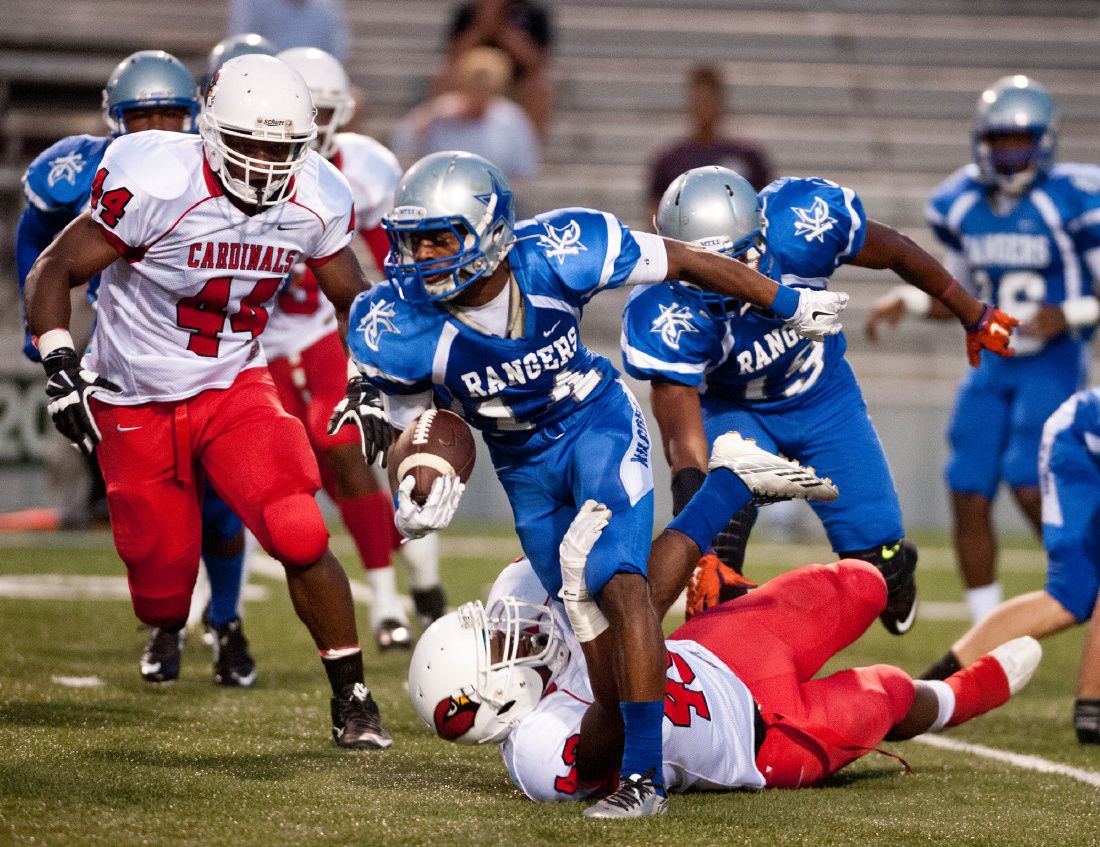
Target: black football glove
{"type": "Point", "coordinates": [68, 388]}
{"type": "Point", "coordinates": [362, 406]}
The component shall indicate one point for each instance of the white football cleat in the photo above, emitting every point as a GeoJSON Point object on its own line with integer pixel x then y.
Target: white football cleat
{"type": "Point", "coordinates": [1018, 658]}
{"type": "Point", "coordinates": [769, 477]}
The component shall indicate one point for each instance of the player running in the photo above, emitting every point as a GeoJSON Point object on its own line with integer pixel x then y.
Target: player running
{"type": "Point", "coordinates": [484, 316]}
{"type": "Point", "coordinates": [741, 707]}
{"type": "Point", "coordinates": [148, 90]}
{"type": "Point", "coordinates": [718, 365]}
{"type": "Point", "coordinates": [309, 366]}
{"type": "Point", "coordinates": [1069, 473]}
{"type": "Point", "coordinates": [193, 237]}
{"type": "Point", "coordinates": [1022, 233]}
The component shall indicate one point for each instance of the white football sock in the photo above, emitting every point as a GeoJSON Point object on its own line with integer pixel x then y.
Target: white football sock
{"type": "Point", "coordinates": [385, 603]}
{"type": "Point", "coordinates": [983, 600]}
{"type": "Point", "coordinates": [946, 697]}
{"type": "Point", "coordinates": [422, 557]}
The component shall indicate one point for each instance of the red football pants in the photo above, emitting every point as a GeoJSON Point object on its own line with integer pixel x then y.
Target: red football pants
{"type": "Point", "coordinates": [154, 456]}
{"type": "Point", "coordinates": [310, 383]}
{"type": "Point", "coordinates": [777, 637]}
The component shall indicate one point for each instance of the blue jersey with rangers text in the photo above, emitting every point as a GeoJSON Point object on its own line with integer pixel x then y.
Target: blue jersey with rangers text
{"type": "Point", "coordinates": [1017, 254]}
{"type": "Point", "coordinates": [811, 226]}
{"type": "Point", "coordinates": [506, 387]}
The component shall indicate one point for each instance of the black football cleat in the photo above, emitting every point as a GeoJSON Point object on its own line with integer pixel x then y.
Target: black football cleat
{"type": "Point", "coordinates": [356, 723]}
{"type": "Point", "coordinates": [392, 634]}
{"type": "Point", "coordinates": [160, 661]}
{"type": "Point", "coordinates": [233, 665]}
{"type": "Point", "coordinates": [898, 565]}
{"type": "Point", "coordinates": [430, 604]}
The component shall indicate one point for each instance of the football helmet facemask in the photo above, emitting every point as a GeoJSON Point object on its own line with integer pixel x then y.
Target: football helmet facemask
{"type": "Point", "coordinates": [149, 79]}
{"type": "Point", "coordinates": [715, 208]}
{"type": "Point", "coordinates": [256, 127]}
{"type": "Point", "coordinates": [457, 193]}
{"type": "Point", "coordinates": [1014, 106]}
{"type": "Point", "coordinates": [475, 673]}
{"type": "Point", "coordinates": [331, 90]}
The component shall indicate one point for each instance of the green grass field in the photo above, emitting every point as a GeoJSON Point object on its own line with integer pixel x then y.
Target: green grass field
{"type": "Point", "coordinates": [124, 763]}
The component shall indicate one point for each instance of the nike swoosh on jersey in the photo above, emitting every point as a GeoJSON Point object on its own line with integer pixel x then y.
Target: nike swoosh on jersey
{"type": "Point", "coordinates": [549, 331]}
{"type": "Point", "coordinates": [122, 428]}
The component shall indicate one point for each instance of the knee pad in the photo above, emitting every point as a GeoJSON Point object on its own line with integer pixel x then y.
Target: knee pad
{"type": "Point", "coordinates": [163, 610]}
{"type": "Point", "coordinates": [899, 688]}
{"type": "Point", "coordinates": [296, 532]}
{"type": "Point", "coordinates": [730, 543]}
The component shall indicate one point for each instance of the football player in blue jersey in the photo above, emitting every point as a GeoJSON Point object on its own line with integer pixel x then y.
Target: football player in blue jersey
{"type": "Point", "coordinates": [1069, 474]}
{"type": "Point", "coordinates": [482, 316]}
{"type": "Point", "coordinates": [148, 90]}
{"type": "Point", "coordinates": [718, 364]}
{"type": "Point", "coordinates": [1023, 233]}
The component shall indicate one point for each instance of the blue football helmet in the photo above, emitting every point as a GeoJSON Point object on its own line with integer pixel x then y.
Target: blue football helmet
{"type": "Point", "coordinates": [1014, 104]}
{"type": "Point", "coordinates": [148, 79]}
{"type": "Point", "coordinates": [715, 208]}
{"type": "Point", "coordinates": [242, 44]}
{"type": "Point", "coordinates": [453, 192]}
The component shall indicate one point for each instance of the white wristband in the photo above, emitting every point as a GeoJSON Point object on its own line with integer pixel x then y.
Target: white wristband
{"type": "Point", "coordinates": [587, 620]}
{"type": "Point", "coordinates": [55, 339]}
{"type": "Point", "coordinates": [1081, 311]}
{"type": "Point", "coordinates": [916, 302]}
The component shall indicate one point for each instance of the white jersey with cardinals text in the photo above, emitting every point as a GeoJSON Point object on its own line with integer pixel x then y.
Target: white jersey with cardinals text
{"type": "Point", "coordinates": [302, 314]}
{"type": "Point", "coordinates": [707, 729]}
{"type": "Point", "coordinates": [182, 310]}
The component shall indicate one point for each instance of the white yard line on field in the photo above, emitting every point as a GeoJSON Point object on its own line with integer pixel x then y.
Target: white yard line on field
{"type": "Point", "coordinates": [1018, 760]}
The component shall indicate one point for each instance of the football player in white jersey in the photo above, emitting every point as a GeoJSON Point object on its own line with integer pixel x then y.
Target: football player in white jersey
{"type": "Point", "coordinates": [307, 362]}
{"type": "Point", "coordinates": [741, 708]}
{"type": "Point", "coordinates": [194, 236]}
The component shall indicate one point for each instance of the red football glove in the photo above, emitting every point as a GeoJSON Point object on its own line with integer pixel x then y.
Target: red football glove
{"type": "Point", "coordinates": [991, 331]}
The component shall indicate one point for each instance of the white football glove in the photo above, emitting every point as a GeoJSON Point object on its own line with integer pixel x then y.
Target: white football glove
{"type": "Point", "coordinates": [417, 521]}
{"type": "Point", "coordinates": [583, 533]}
{"type": "Point", "coordinates": [818, 313]}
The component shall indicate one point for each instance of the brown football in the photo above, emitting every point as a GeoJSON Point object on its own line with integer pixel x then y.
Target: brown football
{"type": "Point", "coordinates": [438, 442]}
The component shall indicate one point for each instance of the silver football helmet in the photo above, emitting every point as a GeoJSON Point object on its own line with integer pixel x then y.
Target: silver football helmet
{"type": "Point", "coordinates": [475, 673]}
{"type": "Point", "coordinates": [148, 79]}
{"type": "Point", "coordinates": [715, 208]}
{"type": "Point", "coordinates": [454, 192]}
{"type": "Point", "coordinates": [242, 44]}
{"type": "Point", "coordinates": [1014, 104]}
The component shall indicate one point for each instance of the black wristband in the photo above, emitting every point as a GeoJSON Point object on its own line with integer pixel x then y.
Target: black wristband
{"type": "Point", "coordinates": [59, 359]}
{"type": "Point", "coordinates": [1086, 720]}
{"type": "Point", "coordinates": [685, 482]}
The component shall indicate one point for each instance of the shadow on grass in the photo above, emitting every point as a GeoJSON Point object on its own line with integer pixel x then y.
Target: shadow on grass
{"type": "Point", "coordinates": [70, 715]}
{"type": "Point", "coordinates": [271, 767]}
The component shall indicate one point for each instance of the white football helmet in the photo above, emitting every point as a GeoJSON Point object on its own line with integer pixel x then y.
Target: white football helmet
{"type": "Point", "coordinates": [474, 675]}
{"type": "Point", "coordinates": [255, 103]}
{"type": "Point", "coordinates": [331, 90]}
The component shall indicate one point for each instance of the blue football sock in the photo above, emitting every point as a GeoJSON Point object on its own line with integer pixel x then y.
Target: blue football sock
{"type": "Point", "coordinates": [224, 573]}
{"type": "Point", "coordinates": [643, 752]}
{"type": "Point", "coordinates": [722, 496]}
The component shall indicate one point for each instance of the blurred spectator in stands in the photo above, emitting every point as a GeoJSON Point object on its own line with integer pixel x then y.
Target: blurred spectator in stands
{"type": "Point", "coordinates": [522, 30]}
{"type": "Point", "coordinates": [706, 145]}
{"type": "Point", "coordinates": [294, 23]}
{"type": "Point", "coordinates": [474, 117]}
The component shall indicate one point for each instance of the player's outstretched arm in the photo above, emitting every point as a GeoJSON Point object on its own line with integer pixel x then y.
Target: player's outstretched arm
{"type": "Point", "coordinates": [885, 248]}
{"type": "Point", "coordinates": [813, 314]}
{"type": "Point", "coordinates": [341, 279]}
{"type": "Point", "coordinates": [79, 253]}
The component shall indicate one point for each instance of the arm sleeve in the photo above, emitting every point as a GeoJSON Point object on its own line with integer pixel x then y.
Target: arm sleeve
{"type": "Point", "coordinates": [403, 409]}
{"type": "Point", "coordinates": [34, 233]}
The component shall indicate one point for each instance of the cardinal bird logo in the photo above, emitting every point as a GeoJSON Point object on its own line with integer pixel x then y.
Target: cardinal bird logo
{"type": "Point", "coordinates": [454, 716]}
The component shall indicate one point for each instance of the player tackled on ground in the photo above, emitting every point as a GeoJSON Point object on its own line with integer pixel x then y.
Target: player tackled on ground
{"type": "Point", "coordinates": [741, 707]}
{"type": "Point", "coordinates": [193, 238]}
{"type": "Point", "coordinates": [484, 315]}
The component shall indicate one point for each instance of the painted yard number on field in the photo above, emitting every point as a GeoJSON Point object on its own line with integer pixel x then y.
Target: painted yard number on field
{"type": "Point", "coordinates": [24, 425]}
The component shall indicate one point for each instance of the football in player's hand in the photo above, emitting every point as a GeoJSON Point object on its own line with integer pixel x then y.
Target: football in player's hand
{"type": "Point", "coordinates": [437, 443]}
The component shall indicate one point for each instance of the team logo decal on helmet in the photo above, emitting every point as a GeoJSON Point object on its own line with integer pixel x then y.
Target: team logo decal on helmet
{"type": "Point", "coordinates": [454, 716]}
